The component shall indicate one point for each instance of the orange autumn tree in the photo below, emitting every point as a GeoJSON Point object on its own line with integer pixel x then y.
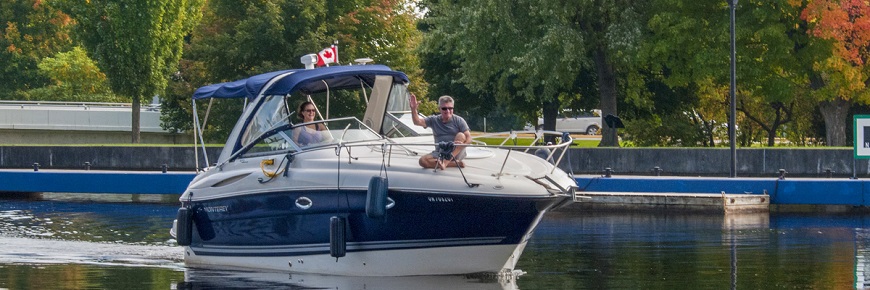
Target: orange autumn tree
{"type": "Point", "coordinates": [30, 30]}
{"type": "Point", "coordinates": [839, 72]}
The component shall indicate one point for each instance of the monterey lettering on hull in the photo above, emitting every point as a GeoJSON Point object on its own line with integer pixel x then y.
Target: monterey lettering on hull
{"type": "Point", "coordinates": [439, 199]}
{"type": "Point", "coordinates": [220, 208]}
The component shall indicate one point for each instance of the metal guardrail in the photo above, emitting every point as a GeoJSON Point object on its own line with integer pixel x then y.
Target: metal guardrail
{"type": "Point", "coordinates": [564, 142]}
{"type": "Point", "coordinates": [31, 104]}
{"type": "Point", "coordinates": [63, 103]}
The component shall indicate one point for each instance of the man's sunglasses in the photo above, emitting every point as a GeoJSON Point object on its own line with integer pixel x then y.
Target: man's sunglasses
{"type": "Point", "coordinates": [446, 108]}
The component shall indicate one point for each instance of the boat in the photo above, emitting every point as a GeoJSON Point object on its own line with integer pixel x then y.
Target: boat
{"type": "Point", "coordinates": [358, 203]}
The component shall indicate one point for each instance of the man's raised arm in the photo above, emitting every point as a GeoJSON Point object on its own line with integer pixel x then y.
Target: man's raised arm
{"type": "Point", "coordinates": [414, 115]}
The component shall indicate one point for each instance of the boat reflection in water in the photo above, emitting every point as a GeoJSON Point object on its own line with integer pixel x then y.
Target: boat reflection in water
{"type": "Point", "coordinates": [241, 279]}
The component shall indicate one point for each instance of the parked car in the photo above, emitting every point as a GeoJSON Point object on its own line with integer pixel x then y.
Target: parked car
{"type": "Point", "coordinates": [584, 122]}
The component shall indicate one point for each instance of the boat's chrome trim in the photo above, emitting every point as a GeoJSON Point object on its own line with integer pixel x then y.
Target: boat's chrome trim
{"type": "Point", "coordinates": [320, 248]}
{"type": "Point", "coordinates": [304, 202]}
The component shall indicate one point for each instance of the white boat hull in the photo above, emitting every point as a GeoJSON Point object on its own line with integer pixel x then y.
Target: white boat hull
{"type": "Point", "coordinates": [429, 261]}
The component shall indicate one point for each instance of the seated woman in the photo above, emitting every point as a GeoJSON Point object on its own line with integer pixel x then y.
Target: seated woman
{"type": "Point", "coordinates": [311, 133]}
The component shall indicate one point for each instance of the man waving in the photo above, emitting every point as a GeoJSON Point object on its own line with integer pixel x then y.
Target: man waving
{"type": "Point", "coordinates": [446, 127]}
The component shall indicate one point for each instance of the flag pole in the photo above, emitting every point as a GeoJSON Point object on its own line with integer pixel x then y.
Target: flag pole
{"type": "Point", "coordinates": [335, 50]}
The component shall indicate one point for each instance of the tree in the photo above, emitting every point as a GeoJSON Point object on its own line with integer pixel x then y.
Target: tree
{"type": "Point", "coordinates": [30, 31]}
{"type": "Point", "coordinates": [532, 54]}
{"type": "Point", "coordinates": [441, 70]}
{"type": "Point", "coordinates": [239, 39]}
{"type": "Point", "coordinates": [137, 43]}
{"type": "Point", "coordinates": [769, 72]}
{"type": "Point", "coordinates": [74, 77]}
{"type": "Point", "coordinates": [839, 76]}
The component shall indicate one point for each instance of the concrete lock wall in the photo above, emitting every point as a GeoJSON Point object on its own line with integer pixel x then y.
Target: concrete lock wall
{"type": "Point", "coordinates": [751, 162]}
{"type": "Point", "coordinates": [622, 161]}
{"type": "Point", "coordinates": [104, 157]}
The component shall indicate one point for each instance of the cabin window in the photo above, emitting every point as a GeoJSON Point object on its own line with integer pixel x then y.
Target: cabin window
{"type": "Point", "coordinates": [272, 113]}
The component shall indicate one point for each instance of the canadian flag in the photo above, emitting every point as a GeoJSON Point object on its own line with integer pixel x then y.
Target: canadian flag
{"type": "Point", "coordinates": [327, 55]}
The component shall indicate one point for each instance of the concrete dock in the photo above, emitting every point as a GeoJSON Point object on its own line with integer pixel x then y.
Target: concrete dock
{"type": "Point", "coordinates": [785, 191]}
{"type": "Point", "coordinates": [695, 202]}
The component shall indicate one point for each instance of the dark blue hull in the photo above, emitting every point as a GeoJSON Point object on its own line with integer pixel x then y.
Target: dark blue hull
{"type": "Point", "coordinates": [271, 224]}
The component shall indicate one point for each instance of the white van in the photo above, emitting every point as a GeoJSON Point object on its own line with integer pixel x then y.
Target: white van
{"type": "Point", "coordinates": [584, 122]}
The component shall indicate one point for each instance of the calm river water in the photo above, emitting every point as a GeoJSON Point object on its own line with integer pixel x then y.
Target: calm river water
{"type": "Point", "coordinates": [108, 242]}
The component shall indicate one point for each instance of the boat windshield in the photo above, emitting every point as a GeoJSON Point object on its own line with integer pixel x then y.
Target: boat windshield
{"type": "Point", "coordinates": [274, 112]}
{"type": "Point", "coordinates": [397, 121]}
{"type": "Point", "coordinates": [304, 136]}
{"type": "Point", "coordinates": [399, 124]}
{"type": "Point", "coordinates": [369, 107]}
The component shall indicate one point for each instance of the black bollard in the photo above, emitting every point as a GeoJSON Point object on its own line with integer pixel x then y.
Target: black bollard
{"type": "Point", "coordinates": [164, 167]}
{"type": "Point", "coordinates": [608, 172]}
{"type": "Point", "coordinates": [35, 166]}
{"type": "Point", "coordinates": [829, 173]}
{"type": "Point", "coordinates": [782, 173]}
{"type": "Point", "coordinates": [657, 170]}
{"type": "Point", "coordinates": [87, 166]}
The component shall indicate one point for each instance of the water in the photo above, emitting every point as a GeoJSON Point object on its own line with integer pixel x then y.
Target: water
{"type": "Point", "coordinates": [677, 251]}
{"type": "Point", "coordinates": [74, 241]}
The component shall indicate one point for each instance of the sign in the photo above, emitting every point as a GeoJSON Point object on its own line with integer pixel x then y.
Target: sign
{"type": "Point", "coordinates": [862, 136]}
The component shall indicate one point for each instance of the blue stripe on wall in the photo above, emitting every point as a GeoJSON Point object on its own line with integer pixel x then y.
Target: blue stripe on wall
{"type": "Point", "coordinates": [95, 181]}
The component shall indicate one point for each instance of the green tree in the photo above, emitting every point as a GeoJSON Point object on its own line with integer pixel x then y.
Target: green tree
{"type": "Point", "coordinates": [537, 54]}
{"type": "Point", "coordinates": [74, 77]}
{"type": "Point", "coordinates": [137, 43]}
{"type": "Point", "coordinates": [769, 72]}
{"type": "Point", "coordinates": [30, 31]}
{"type": "Point", "coordinates": [441, 70]}
{"type": "Point", "coordinates": [237, 39]}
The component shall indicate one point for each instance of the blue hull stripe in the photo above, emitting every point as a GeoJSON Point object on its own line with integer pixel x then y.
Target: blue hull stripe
{"type": "Point", "coordinates": [317, 249]}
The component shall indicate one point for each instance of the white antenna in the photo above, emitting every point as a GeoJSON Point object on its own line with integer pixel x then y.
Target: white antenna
{"type": "Point", "coordinates": [363, 61]}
